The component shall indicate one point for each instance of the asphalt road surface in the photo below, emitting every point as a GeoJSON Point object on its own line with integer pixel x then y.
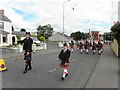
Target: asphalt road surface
{"type": "Point", "coordinates": [43, 61]}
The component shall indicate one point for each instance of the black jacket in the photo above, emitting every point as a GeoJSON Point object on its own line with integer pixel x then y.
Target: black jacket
{"type": "Point", "coordinates": [64, 56]}
{"type": "Point", "coordinates": [27, 44]}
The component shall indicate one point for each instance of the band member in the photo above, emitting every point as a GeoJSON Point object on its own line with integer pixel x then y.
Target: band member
{"type": "Point", "coordinates": [94, 46]}
{"type": "Point", "coordinates": [64, 58]}
{"type": "Point", "coordinates": [100, 48]}
{"type": "Point", "coordinates": [72, 42]}
{"type": "Point", "coordinates": [81, 47]}
{"type": "Point", "coordinates": [27, 46]}
{"type": "Point", "coordinates": [90, 44]}
{"type": "Point", "coordinates": [86, 46]}
{"type": "Point", "coordinates": [78, 44]}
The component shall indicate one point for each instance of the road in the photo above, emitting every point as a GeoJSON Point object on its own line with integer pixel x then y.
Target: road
{"type": "Point", "coordinates": [43, 61]}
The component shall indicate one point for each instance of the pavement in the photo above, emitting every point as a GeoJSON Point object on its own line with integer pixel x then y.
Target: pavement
{"type": "Point", "coordinates": [88, 71]}
{"type": "Point", "coordinates": [105, 75]}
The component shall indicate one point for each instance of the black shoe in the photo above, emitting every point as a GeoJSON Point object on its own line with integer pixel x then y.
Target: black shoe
{"type": "Point", "coordinates": [66, 75]}
{"type": "Point", "coordinates": [93, 53]}
{"type": "Point", "coordinates": [29, 69]}
{"type": "Point", "coordinates": [99, 53]}
{"type": "Point", "coordinates": [62, 78]}
{"type": "Point", "coordinates": [25, 71]}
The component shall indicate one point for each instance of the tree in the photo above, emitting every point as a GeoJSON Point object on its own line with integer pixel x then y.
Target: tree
{"type": "Point", "coordinates": [107, 36]}
{"type": "Point", "coordinates": [86, 36]}
{"type": "Point", "coordinates": [45, 31]}
{"type": "Point", "coordinates": [77, 35]}
{"type": "Point", "coordinates": [116, 34]}
{"type": "Point", "coordinates": [23, 30]}
{"type": "Point", "coordinates": [116, 31]}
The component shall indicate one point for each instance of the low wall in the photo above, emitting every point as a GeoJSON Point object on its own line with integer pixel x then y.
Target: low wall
{"type": "Point", "coordinates": [115, 47]}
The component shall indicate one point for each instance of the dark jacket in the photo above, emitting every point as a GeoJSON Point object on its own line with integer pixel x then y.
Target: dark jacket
{"type": "Point", "coordinates": [64, 56]}
{"type": "Point", "coordinates": [27, 44]}
{"type": "Point", "coordinates": [100, 45]}
{"type": "Point", "coordinates": [94, 46]}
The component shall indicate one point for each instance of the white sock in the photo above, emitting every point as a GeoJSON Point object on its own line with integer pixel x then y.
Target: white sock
{"type": "Point", "coordinates": [81, 50]}
{"type": "Point", "coordinates": [87, 50]}
{"type": "Point", "coordinates": [84, 49]}
{"type": "Point", "coordinates": [99, 51]}
{"type": "Point", "coordinates": [72, 50]}
{"type": "Point", "coordinates": [65, 72]}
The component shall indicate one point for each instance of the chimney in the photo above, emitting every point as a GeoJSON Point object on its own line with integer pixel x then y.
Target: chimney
{"type": "Point", "coordinates": [2, 11]}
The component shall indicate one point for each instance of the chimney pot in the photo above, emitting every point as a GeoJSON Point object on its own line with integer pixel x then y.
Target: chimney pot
{"type": "Point", "coordinates": [2, 11]}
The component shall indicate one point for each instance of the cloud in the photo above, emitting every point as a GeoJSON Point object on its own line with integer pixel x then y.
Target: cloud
{"type": "Point", "coordinates": [79, 14]}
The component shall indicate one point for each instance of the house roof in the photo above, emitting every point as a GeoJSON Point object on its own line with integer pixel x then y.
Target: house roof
{"type": "Point", "coordinates": [59, 37]}
{"type": "Point", "coordinates": [3, 32]}
{"type": "Point", "coordinates": [4, 18]}
{"type": "Point", "coordinates": [62, 34]}
{"type": "Point", "coordinates": [18, 33]}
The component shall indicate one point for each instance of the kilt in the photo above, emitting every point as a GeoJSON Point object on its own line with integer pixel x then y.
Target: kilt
{"type": "Point", "coordinates": [62, 65]}
{"type": "Point", "coordinates": [78, 45]}
{"type": "Point", "coordinates": [93, 48]}
{"type": "Point", "coordinates": [81, 47]}
{"type": "Point", "coordinates": [86, 47]}
{"type": "Point", "coordinates": [72, 46]}
{"type": "Point", "coordinates": [99, 48]}
{"type": "Point", "coordinates": [27, 57]}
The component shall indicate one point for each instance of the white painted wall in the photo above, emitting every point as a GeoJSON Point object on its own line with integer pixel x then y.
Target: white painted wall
{"type": "Point", "coordinates": [8, 28]}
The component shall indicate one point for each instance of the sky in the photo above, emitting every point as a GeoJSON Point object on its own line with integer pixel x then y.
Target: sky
{"type": "Point", "coordinates": [80, 15]}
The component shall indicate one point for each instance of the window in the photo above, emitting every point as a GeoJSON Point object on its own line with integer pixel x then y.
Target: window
{"type": "Point", "coordinates": [1, 25]}
{"type": "Point", "coordinates": [4, 38]}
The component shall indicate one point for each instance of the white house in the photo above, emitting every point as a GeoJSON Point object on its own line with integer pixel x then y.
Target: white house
{"type": "Point", "coordinates": [6, 37]}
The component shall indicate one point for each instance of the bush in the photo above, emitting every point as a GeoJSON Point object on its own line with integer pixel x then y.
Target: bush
{"type": "Point", "coordinates": [18, 37]}
{"type": "Point", "coordinates": [42, 38]}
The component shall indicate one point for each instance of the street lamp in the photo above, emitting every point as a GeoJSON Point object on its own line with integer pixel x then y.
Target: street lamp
{"type": "Point", "coordinates": [64, 19]}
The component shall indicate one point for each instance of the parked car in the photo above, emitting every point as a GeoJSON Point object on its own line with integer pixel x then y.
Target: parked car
{"type": "Point", "coordinates": [36, 41]}
{"type": "Point", "coordinates": [108, 42]}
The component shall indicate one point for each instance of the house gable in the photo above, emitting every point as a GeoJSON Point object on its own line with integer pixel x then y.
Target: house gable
{"type": "Point", "coordinates": [4, 18]}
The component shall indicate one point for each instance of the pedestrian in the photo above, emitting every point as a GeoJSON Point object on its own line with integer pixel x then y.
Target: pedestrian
{"type": "Point", "coordinates": [72, 42]}
{"type": "Point", "coordinates": [78, 44]}
{"type": "Point", "coordinates": [64, 58]}
{"type": "Point", "coordinates": [86, 46]}
{"type": "Point", "coordinates": [94, 46]}
{"type": "Point", "coordinates": [90, 45]}
{"type": "Point", "coordinates": [81, 47]}
{"type": "Point", "coordinates": [27, 47]}
{"type": "Point", "coordinates": [100, 47]}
